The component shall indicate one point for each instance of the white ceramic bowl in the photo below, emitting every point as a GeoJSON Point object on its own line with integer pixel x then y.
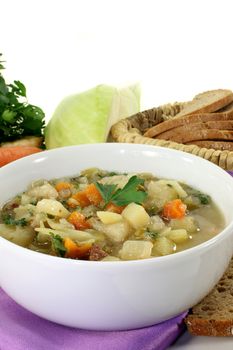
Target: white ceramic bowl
{"type": "Point", "coordinates": [115, 295]}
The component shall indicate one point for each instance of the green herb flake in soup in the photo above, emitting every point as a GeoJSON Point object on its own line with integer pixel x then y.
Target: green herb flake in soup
{"type": "Point", "coordinates": [109, 216]}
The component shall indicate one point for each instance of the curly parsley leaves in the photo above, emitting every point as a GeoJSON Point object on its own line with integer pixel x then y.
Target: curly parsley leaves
{"type": "Point", "coordinates": [18, 118]}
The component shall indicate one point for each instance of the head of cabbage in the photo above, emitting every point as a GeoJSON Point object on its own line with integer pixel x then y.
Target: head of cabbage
{"type": "Point", "coordinates": [88, 116]}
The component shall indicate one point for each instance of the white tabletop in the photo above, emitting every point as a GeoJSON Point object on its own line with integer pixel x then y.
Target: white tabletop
{"type": "Point", "coordinates": [187, 341]}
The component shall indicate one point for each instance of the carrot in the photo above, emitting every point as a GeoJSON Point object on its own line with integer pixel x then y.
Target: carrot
{"type": "Point", "coordinates": [174, 209]}
{"type": "Point", "coordinates": [93, 194]}
{"type": "Point", "coordinates": [78, 220]}
{"type": "Point", "coordinates": [75, 251]}
{"type": "Point", "coordinates": [115, 208]}
{"type": "Point", "coordinates": [62, 186]}
{"type": "Point", "coordinates": [9, 154]}
{"type": "Point", "coordinates": [81, 199]}
{"type": "Point", "coordinates": [88, 196]}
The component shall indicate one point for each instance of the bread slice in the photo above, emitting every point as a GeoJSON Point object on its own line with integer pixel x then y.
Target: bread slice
{"type": "Point", "coordinates": [226, 108]}
{"type": "Point", "coordinates": [183, 129]}
{"type": "Point", "coordinates": [207, 102]}
{"type": "Point", "coordinates": [213, 316]}
{"type": "Point", "coordinates": [208, 134]}
{"type": "Point", "coordinates": [218, 145]}
{"type": "Point", "coordinates": [190, 119]}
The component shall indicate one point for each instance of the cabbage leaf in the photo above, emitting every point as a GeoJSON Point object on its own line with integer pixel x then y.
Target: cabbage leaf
{"type": "Point", "coordinates": [88, 116]}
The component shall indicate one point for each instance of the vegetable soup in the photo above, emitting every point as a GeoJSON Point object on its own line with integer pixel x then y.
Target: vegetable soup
{"type": "Point", "coordinates": [107, 216]}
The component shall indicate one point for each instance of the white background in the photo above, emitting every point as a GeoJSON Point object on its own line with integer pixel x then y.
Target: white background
{"type": "Point", "coordinates": [174, 48]}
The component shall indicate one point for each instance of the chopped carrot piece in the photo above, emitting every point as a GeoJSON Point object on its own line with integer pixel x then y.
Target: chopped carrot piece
{"type": "Point", "coordinates": [81, 198]}
{"type": "Point", "coordinates": [174, 209]}
{"type": "Point", "coordinates": [115, 208]}
{"type": "Point", "coordinates": [62, 186]}
{"type": "Point", "coordinates": [75, 251]}
{"type": "Point", "coordinates": [93, 194]}
{"type": "Point", "coordinates": [78, 220]}
{"type": "Point", "coordinates": [88, 196]}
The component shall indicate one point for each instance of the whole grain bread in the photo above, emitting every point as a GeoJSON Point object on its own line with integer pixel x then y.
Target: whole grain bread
{"type": "Point", "coordinates": [207, 102]}
{"type": "Point", "coordinates": [208, 134]}
{"type": "Point", "coordinates": [213, 316]}
{"type": "Point", "coordinates": [226, 108]}
{"type": "Point", "coordinates": [186, 128]}
{"type": "Point", "coordinates": [218, 145]}
{"type": "Point", "coordinates": [190, 119]}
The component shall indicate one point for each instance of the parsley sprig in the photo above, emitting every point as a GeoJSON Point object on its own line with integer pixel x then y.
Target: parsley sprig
{"type": "Point", "coordinates": [128, 194]}
{"type": "Point", "coordinates": [57, 244]}
{"type": "Point", "coordinates": [18, 118]}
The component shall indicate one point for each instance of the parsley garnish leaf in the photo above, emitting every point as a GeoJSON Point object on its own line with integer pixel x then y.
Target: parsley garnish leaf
{"type": "Point", "coordinates": [128, 194]}
{"type": "Point", "coordinates": [57, 244]}
{"type": "Point", "coordinates": [106, 191]}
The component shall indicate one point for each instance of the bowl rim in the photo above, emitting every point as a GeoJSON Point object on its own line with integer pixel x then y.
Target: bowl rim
{"type": "Point", "coordinates": [193, 251]}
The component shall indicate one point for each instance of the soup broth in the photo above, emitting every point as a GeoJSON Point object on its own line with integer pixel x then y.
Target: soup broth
{"type": "Point", "coordinates": [107, 216]}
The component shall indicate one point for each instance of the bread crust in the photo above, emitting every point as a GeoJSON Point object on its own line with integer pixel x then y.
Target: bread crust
{"type": "Point", "coordinates": [208, 134]}
{"type": "Point", "coordinates": [226, 108]}
{"type": "Point", "coordinates": [218, 145]}
{"type": "Point", "coordinates": [183, 129]}
{"type": "Point", "coordinates": [207, 102]}
{"type": "Point", "coordinates": [216, 328]}
{"type": "Point", "coordinates": [190, 119]}
{"type": "Point", "coordinates": [213, 316]}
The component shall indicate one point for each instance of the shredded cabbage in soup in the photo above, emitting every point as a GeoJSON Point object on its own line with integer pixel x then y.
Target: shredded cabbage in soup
{"type": "Point", "coordinates": [107, 216]}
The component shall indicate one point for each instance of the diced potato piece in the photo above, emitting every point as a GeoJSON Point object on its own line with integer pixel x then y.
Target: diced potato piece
{"type": "Point", "coordinates": [177, 187]}
{"type": "Point", "coordinates": [187, 223]}
{"type": "Point", "coordinates": [156, 223]}
{"type": "Point", "coordinates": [136, 250]}
{"type": "Point", "coordinates": [136, 215]}
{"type": "Point", "coordinates": [44, 191]}
{"type": "Point", "coordinates": [164, 246]}
{"type": "Point", "coordinates": [178, 236]}
{"type": "Point", "coordinates": [117, 232]}
{"type": "Point", "coordinates": [108, 217]}
{"type": "Point", "coordinates": [25, 199]}
{"type": "Point", "coordinates": [19, 235]}
{"type": "Point", "coordinates": [24, 211]}
{"type": "Point", "coordinates": [165, 231]}
{"type": "Point", "coordinates": [159, 194]}
{"type": "Point", "coordinates": [52, 207]}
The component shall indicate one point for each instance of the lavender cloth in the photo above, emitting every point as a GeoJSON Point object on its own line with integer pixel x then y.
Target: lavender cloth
{"type": "Point", "coordinates": [21, 330]}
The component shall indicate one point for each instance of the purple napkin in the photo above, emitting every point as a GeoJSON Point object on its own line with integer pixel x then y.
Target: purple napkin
{"type": "Point", "coordinates": [21, 330]}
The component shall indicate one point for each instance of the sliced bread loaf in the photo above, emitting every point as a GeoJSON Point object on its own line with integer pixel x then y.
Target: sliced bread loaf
{"type": "Point", "coordinates": [218, 145]}
{"type": "Point", "coordinates": [190, 119]}
{"type": "Point", "coordinates": [207, 134]}
{"type": "Point", "coordinates": [207, 102]}
{"type": "Point", "coordinates": [226, 108]}
{"type": "Point", "coordinates": [213, 316]}
{"type": "Point", "coordinates": [186, 128]}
